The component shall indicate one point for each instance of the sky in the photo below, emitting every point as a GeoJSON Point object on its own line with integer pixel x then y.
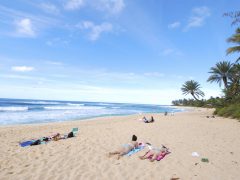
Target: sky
{"type": "Point", "coordinates": [132, 51]}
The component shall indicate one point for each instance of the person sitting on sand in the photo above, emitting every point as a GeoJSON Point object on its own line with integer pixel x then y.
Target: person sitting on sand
{"type": "Point", "coordinates": [144, 119]}
{"type": "Point", "coordinates": [149, 121]}
{"type": "Point", "coordinates": [154, 153]}
{"type": "Point", "coordinates": [125, 148]}
{"type": "Point", "coordinates": [152, 119]}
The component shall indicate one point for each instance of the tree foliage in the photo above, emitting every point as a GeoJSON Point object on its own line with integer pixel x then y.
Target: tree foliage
{"type": "Point", "coordinates": [192, 87]}
{"type": "Point", "coordinates": [221, 72]}
{"type": "Point", "coordinates": [235, 38]}
{"type": "Point", "coordinates": [235, 15]}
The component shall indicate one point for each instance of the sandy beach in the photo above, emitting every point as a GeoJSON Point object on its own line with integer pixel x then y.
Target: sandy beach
{"type": "Point", "coordinates": [85, 156]}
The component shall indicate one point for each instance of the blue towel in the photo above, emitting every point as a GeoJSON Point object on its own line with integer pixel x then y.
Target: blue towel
{"type": "Point", "coordinates": [135, 150]}
{"type": "Point", "coordinates": [26, 143]}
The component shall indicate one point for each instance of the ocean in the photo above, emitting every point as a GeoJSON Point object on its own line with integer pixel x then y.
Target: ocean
{"type": "Point", "coordinates": [28, 111]}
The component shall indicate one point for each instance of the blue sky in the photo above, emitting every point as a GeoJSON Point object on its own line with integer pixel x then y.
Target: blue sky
{"type": "Point", "coordinates": [111, 50]}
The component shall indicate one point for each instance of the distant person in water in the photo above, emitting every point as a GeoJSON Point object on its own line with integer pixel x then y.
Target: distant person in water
{"type": "Point", "coordinates": [125, 148]}
{"type": "Point", "coordinates": [166, 113]}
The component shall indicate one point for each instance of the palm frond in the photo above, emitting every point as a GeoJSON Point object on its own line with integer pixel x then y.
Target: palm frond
{"type": "Point", "coordinates": [192, 87]}
{"type": "Point", "coordinates": [233, 49]}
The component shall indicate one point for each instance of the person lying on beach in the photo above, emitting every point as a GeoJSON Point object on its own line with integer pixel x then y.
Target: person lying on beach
{"type": "Point", "coordinates": [210, 116]}
{"type": "Point", "coordinates": [54, 137]}
{"type": "Point", "coordinates": [125, 148]}
{"type": "Point", "coordinates": [44, 140]}
{"type": "Point", "coordinates": [154, 153]}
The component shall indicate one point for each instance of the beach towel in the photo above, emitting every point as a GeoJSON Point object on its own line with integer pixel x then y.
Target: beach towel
{"type": "Point", "coordinates": [26, 143]}
{"type": "Point", "coordinates": [135, 150]}
{"type": "Point", "coordinates": [33, 142]}
{"type": "Point", "coordinates": [160, 157]}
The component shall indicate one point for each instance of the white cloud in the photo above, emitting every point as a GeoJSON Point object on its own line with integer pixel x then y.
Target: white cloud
{"type": "Point", "coordinates": [23, 77]}
{"type": "Point", "coordinates": [202, 11]}
{"type": "Point", "coordinates": [74, 4]}
{"type": "Point", "coordinates": [109, 6]}
{"type": "Point", "coordinates": [170, 51]}
{"type": "Point", "coordinates": [154, 74]}
{"type": "Point", "coordinates": [22, 68]}
{"type": "Point", "coordinates": [24, 23]}
{"type": "Point", "coordinates": [198, 17]}
{"type": "Point", "coordinates": [174, 25]}
{"type": "Point", "coordinates": [195, 22]}
{"type": "Point", "coordinates": [49, 8]}
{"type": "Point", "coordinates": [57, 42]}
{"type": "Point", "coordinates": [56, 63]}
{"type": "Point", "coordinates": [95, 30]}
{"type": "Point", "coordinates": [178, 76]}
{"type": "Point", "coordinates": [13, 76]}
{"type": "Point", "coordinates": [167, 52]}
{"type": "Point", "coordinates": [112, 6]}
{"type": "Point", "coordinates": [24, 27]}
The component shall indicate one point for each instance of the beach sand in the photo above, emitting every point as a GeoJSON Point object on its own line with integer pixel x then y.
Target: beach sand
{"type": "Point", "coordinates": [85, 156]}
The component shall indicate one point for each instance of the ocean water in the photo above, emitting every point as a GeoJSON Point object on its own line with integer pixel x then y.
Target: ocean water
{"type": "Point", "coordinates": [22, 111]}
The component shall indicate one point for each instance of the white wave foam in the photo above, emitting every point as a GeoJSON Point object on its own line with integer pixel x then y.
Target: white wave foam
{"type": "Point", "coordinates": [104, 104]}
{"type": "Point", "coordinates": [12, 108]}
{"type": "Point", "coordinates": [115, 107]}
{"type": "Point", "coordinates": [41, 102]}
{"type": "Point", "coordinates": [72, 107]}
{"type": "Point", "coordinates": [71, 104]}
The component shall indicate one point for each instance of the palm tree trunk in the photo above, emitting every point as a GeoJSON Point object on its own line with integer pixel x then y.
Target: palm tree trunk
{"type": "Point", "coordinates": [225, 81]}
{"type": "Point", "coordinates": [194, 96]}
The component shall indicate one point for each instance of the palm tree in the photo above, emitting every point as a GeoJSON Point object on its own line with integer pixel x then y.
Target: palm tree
{"type": "Point", "coordinates": [221, 72]}
{"type": "Point", "coordinates": [235, 38]}
{"type": "Point", "coordinates": [192, 87]}
{"type": "Point", "coordinates": [235, 15]}
{"type": "Point", "coordinates": [235, 80]}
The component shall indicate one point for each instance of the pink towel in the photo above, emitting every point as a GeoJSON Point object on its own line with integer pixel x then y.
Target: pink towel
{"type": "Point", "coordinates": [160, 156]}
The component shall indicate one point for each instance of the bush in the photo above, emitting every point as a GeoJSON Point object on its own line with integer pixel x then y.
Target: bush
{"type": "Point", "coordinates": [229, 111]}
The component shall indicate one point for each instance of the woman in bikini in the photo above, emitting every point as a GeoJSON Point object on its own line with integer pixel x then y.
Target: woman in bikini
{"type": "Point", "coordinates": [125, 148]}
{"type": "Point", "coordinates": [154, 153]}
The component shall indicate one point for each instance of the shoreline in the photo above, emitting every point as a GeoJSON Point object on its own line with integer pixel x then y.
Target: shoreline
{"type": "Point", "coordinates": [20, 112]}
{"type": "Point", "coordinates": [97, 118]}
{"type": "Point", "coordinates": [184, 109]}
{"type": "Point", "coordinates": [84, 157]}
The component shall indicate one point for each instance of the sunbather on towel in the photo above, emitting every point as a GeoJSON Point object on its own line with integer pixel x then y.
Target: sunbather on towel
{"type": "Point", "coordinates": [125, 148]}
{"type": "Point", "coordinates": [154, 153]}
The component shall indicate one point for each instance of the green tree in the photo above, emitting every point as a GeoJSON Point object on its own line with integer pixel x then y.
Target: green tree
{"type": "Point", "coordinates": [192, 87]}
{"type": "Point", "coordinates": [234, 87]}
{"type": "Point", "coordinates": [235, 15]}
{"type": "Point", "coordinates": [235, 38]}
{"type": "Point", "coordinates": [221, 72]}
